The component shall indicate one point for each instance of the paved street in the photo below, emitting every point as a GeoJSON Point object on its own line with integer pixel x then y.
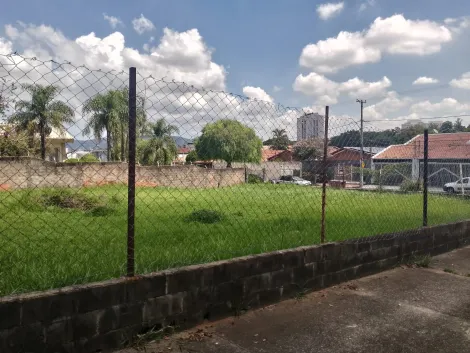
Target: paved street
{"type": "Point", "coordinates": [407, 309]}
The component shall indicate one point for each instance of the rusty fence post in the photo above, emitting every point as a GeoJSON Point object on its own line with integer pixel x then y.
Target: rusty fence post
{"type": "Point", "coordinates": [131, 172]}
{"type": "Point", "coordinates": [425, 180]}
{"type": "Point", "coordinates": [324, 175]}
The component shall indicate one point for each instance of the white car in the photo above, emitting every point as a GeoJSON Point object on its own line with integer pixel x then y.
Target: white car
{"type": "Point", "coordinates": [457, 186]}
{"type": "Point", "coordinates": [289, 179]}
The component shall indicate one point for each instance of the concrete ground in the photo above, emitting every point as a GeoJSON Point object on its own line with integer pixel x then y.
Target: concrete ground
{"type": "Point", "coordinates": [407, 309]}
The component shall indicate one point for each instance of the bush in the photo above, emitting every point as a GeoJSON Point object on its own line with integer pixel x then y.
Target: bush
{"type": "Point", "coordinates": [205, 216]}
{"type": "Point", "coordinates": [95, 205]}
{"type": "Point", "coordinates": [71, 160]}
{"type": "Point", "coordinates": [410, 186]}
{"type": "Point", "coordinates": [254, 179]}
{"type": "Point", "coordinates": [89, 158]}
{"type": "Point", "coordinates": [191, 157]}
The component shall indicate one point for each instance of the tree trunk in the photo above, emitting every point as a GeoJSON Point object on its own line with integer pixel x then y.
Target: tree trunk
{"type": "Point", "coordinates": [42, 133]}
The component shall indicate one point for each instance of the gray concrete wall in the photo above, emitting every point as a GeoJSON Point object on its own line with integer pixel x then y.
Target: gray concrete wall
{"type": "Point", "coordinates": [19, 173]}
{"type": "Point", "coordinates": [104, 315]}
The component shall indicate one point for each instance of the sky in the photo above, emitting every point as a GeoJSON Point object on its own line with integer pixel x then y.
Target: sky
{"type": "Point", "coordinates": [407, 59]}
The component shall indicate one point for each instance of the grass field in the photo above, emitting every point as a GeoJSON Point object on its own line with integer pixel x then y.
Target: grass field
{"type": "Point", "coordinates": [45, 247]}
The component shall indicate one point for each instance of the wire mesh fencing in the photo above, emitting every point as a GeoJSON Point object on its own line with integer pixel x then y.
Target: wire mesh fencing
{"type": "Point", "coordinates": [105, 174]}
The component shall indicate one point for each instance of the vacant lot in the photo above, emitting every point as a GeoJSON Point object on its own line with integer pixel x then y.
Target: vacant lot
{"type": "Point", "coordinates": [49, 241]}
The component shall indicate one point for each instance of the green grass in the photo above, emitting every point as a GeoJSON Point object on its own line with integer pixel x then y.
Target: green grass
{"type": "Point", "coordinates": [47, 247]}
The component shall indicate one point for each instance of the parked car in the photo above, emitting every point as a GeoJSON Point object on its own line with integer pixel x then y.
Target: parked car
{"type": "Point", "coordinates": [289, 179]}
{"type": "Point", "coordinates": [457, 186]}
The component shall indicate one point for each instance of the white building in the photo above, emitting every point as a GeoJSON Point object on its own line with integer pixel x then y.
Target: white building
{"type": "Point", "coordinates": [310, 125]}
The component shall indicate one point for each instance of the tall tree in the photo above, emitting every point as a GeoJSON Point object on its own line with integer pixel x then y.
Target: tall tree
{"type": "Point", "coordinates": [280, 140]}
{"type": "Point", "coordinates": [106, 114]}
{"type": "Point", "coordinates": [458, 126]}
{"type": "Point", "coordinates": [42, 113]}
{"type": "Point", "coordinates": [308, 149]}
{"type": "Point", "coordinates": [161, 148]}
{"type": "Point", "coordinates": [447, 126]}
{"type": "Point", "coordinates": [230, 141]}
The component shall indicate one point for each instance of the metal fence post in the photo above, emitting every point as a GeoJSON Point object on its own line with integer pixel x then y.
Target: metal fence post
{"type": "Point", "coordinates": [131, 173]}
{"type": "Point", "coordinates": [323, 195]}
{"type": "Point", "coordinates": [425, 180]}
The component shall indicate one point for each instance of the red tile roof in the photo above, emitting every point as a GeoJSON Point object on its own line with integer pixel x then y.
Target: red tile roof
{"type": "Point", "coordinates": [267, 154]}
{"type": "Point", "coordinates": [441, 146]}
{"type": "Point", "coordinates": [183, 150]}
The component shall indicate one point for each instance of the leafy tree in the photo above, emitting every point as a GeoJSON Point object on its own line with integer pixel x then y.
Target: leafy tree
{"type": "Point", "coordinates": [41, 113]}
{"type": "Point", "coordinates": [308, 149]}
{"type": "Point", "coordinates": [447, 126]}
{"type": "Point", "coordinates": [230, 141]}
{"type": "Point", "coordinates": [191, 157]}
{"type": "Point", "coordinates": [457, 126]}
{"type": "Point", "coordinates": [280, 140]}
{"type": "Point", "coordinates": [14, 143]}
{"type": "Point", "coordinates": [161, 148]}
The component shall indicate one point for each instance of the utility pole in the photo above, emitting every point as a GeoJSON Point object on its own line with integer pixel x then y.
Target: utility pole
{"type": "Point", "coordinates": [361, 182]}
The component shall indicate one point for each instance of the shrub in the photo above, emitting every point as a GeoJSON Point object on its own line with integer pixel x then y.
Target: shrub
{"type": "Point", "coordinates": [71, 160]}
{"type": "Point", "coordinates": [89, 158]}
{"type": "Point", "coordinates": [205, 216]}
{"type": "Point", "coordinates": [95, 205]}
{"type": "Point", "coordinates": [410, 186]}
{"type": "Point", "coordinates": [254, 179]}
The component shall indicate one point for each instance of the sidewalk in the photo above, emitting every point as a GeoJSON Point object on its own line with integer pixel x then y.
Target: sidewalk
{"type": "Point", "coordinates": [403, 310]}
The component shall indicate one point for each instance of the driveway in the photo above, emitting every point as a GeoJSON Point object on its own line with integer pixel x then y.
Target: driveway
{"type": "Point", "coordinates": [407, 309]}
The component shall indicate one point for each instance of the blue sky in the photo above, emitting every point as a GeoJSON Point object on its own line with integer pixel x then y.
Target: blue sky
{"type": "Point", "coordinates": [259, 44]}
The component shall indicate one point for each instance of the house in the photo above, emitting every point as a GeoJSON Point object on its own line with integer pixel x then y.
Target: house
{"type": "Point", "coordinates": [55, 143]}
{"type": "Point", "coordinates": [448, 156]}
{"type": "Point", "coordinates": [270, 155]}
{"type": "Point", "coordinates": [182, 154]}
{"type": "Point", "coordinates": [346, 161]}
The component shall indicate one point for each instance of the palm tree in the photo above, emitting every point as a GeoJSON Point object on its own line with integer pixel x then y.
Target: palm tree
{"type": "Point", "coordinates": [161, 148]}
{"type": "Point", "coordinates": [106, 114]}
{"type": "Point", "coordinates": [41, 113]}
{"type": "Point", "coordinates": [110, 114]}
{"type": "Point", "coordinates": [280, 140]}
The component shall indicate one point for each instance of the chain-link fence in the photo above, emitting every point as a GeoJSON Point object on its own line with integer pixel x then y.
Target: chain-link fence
{"type": "Point", "coordinates": [104, 174]}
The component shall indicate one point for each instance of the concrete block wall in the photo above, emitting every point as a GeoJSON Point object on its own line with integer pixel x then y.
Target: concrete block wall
{"type": "Point", "coordinates": [105, 315]}
{"type": "Point", "coordinates": [19, 173]}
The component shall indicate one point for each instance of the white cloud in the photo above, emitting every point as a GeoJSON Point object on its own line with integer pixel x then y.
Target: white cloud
{"type": "Point", "coordinates": [327, 91]}
{"type": "Point", "coordinates": [277, 89]}
{"type": "Point", "coordinates": [394, 35]}
{"type": "Point", "coordinates": [424, 80]}
{"type": "Point", "coordinates": [142, 24]}
{"type": "Point", "coordinates": [333, 54]}
{"type": "Point", "coordinates": [357, 87]}
{"type": "Point", "coordinates": [257, 93]}
{"type": "Point", "coordinates": [447, 106]}
{"type": "Point", "coordinates": [323, 89]}
{"type": "Point", "coordinates": [391, 104]}
{"type": "Point", "coordinates": [462, 82]}
{"type": "Point", "coordinates": [459, 24]}
{"type": "Point", "coordinates": [366, 4]}
{"type": "Point", "coordinates": [329, 10]}
{"type": "Point", "coordinates": [113, 21]}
